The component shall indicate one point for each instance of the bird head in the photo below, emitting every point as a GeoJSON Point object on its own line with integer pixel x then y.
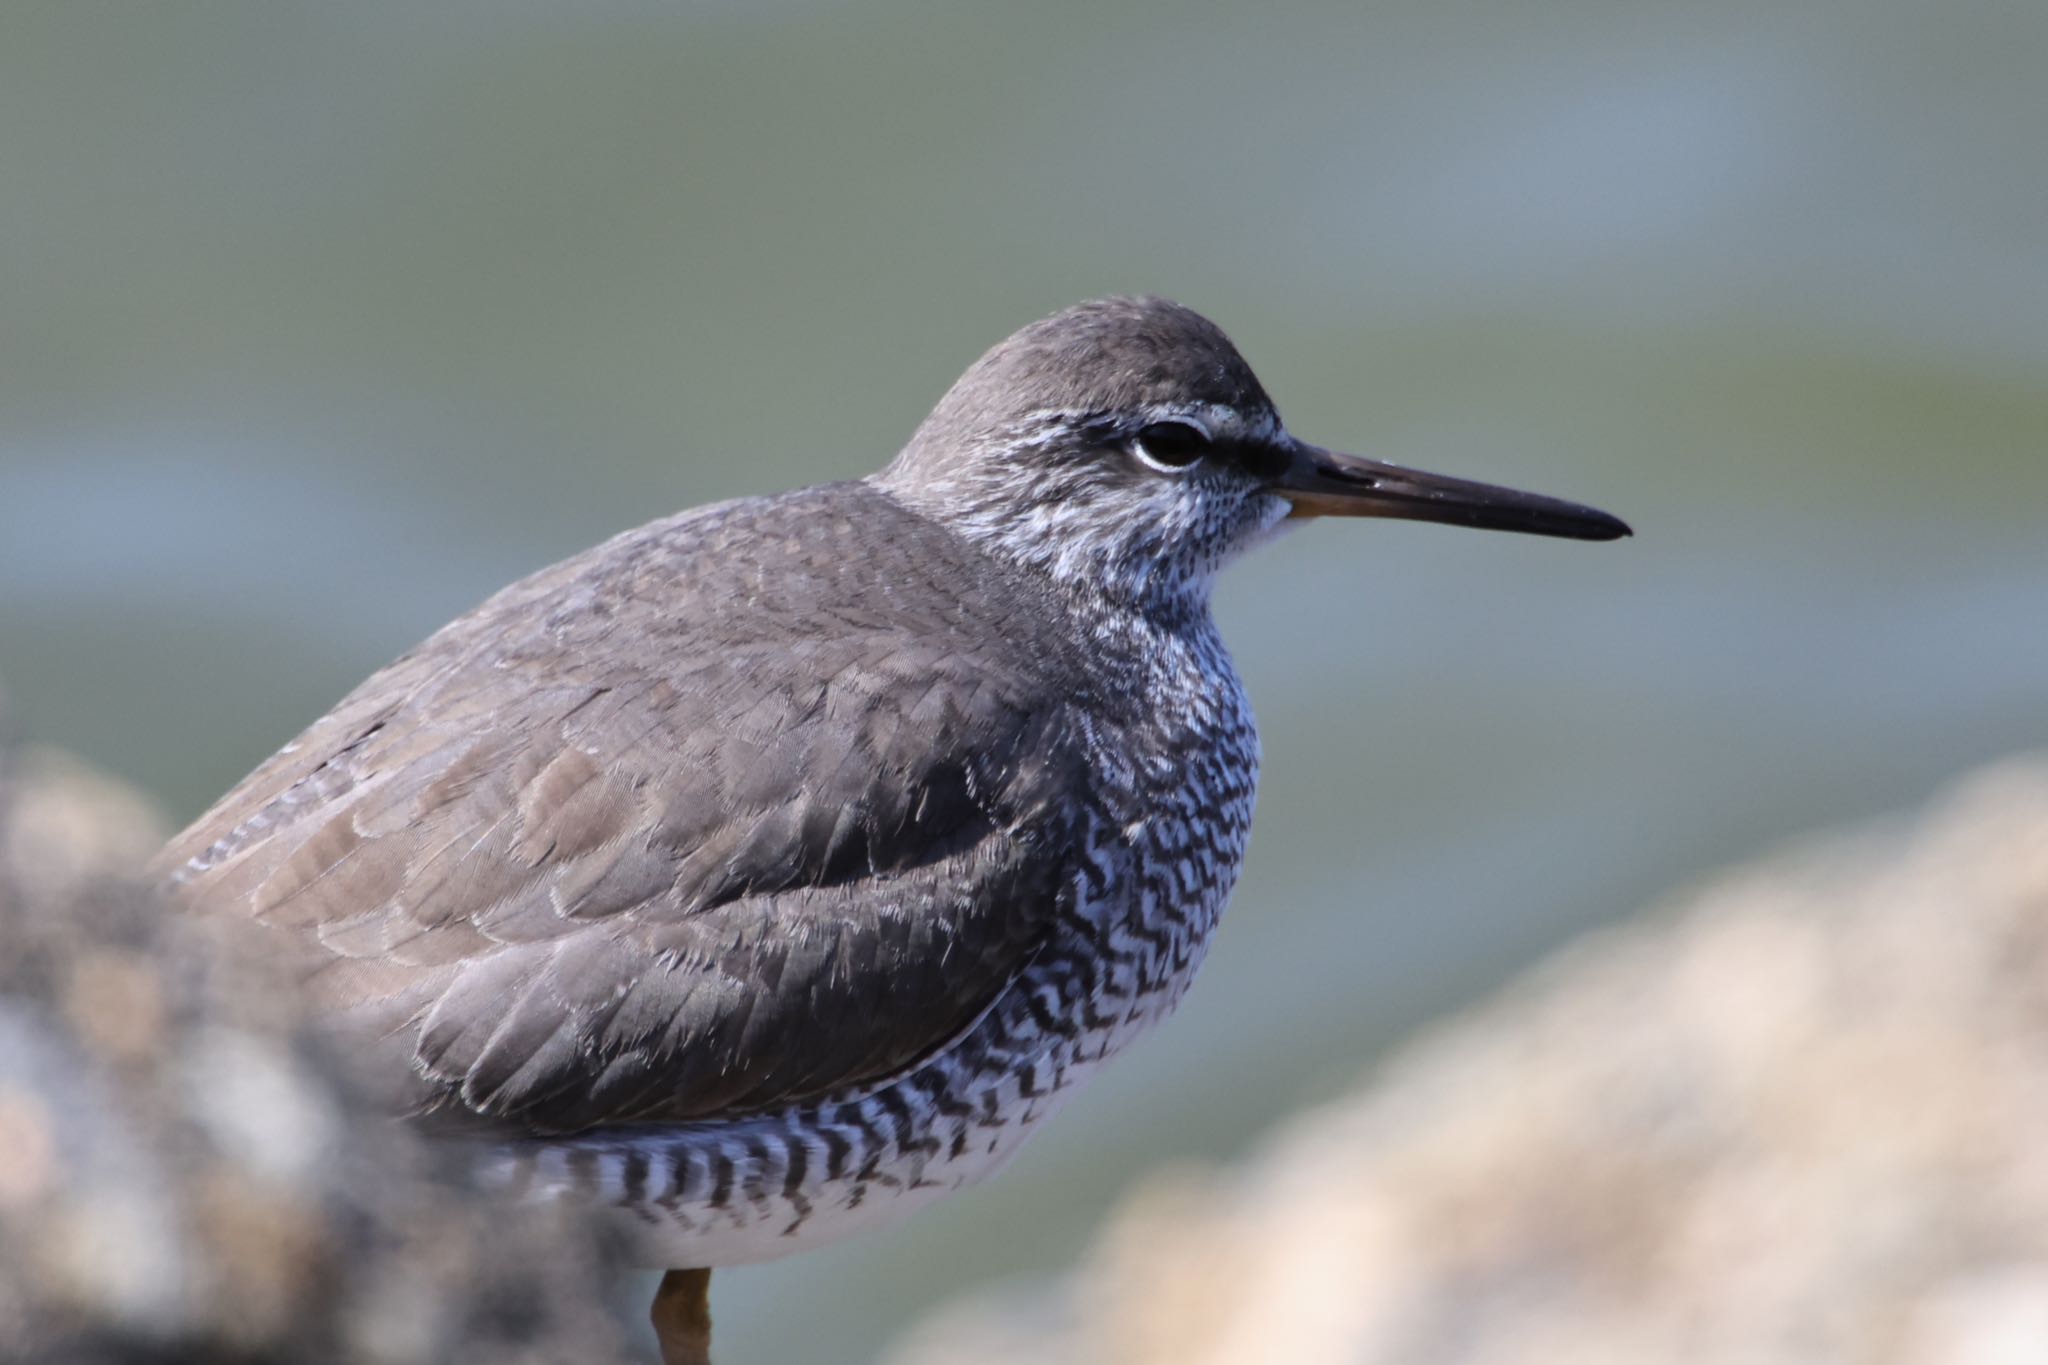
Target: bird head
{"type": "Point", "coordinates": [1124, 445]}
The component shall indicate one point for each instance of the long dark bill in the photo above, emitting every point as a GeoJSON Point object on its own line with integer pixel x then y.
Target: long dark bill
{"type": "Point", "coordinates": [1323, 483]}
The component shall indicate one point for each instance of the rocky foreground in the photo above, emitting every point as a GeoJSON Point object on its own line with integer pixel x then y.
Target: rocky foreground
{"type": "Point", "coordinates": [187, 1176]}
{"type": "Point", "coordinates": [1799, 1116]}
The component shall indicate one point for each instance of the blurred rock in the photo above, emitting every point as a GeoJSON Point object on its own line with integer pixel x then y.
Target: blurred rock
{"type": "Point", "coordinates": [186, 1171]}
{"type": "Point", "coordinates": [1800, 1116]}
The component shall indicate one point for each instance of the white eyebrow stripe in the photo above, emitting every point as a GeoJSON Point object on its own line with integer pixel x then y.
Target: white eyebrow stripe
{"type": "Point", "coordinates": [1261, 425]}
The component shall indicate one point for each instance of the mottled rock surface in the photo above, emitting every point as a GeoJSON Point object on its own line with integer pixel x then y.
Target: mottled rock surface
{"type": "Point", "coordinates": [188, 1174]}
{"type": "Point", "coordinates": [1798, 1116]}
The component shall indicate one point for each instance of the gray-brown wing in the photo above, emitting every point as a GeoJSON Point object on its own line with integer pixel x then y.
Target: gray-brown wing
{"type": "Point", "coordinates": [738, 810]}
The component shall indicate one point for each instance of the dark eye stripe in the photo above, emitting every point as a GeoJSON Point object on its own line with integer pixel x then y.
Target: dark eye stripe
{"type": "Point", "coordinates": [1259, 459]}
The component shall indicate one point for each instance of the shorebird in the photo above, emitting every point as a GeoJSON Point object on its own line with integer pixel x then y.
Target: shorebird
{"type": "Point", "coordinates": [773, 870]}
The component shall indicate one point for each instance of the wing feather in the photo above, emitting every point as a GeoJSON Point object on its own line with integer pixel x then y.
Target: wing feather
{"type": "Point", "coordinates": [745, 808]}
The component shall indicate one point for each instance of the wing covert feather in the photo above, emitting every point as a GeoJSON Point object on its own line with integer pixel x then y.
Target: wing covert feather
{"type": "Point", "coordinates": [743, 808]}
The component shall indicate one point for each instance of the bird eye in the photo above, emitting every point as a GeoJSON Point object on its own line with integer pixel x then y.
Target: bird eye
{"type": "Point", "coordinates": [1170, 445]}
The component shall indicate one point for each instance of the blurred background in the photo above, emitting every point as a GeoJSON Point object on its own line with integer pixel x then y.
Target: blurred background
{"type": "Point", "coordinates": [323, 321]}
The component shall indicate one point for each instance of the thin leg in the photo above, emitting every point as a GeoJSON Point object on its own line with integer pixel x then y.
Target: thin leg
{"type": "Point", "coordinates": [682, 1317]}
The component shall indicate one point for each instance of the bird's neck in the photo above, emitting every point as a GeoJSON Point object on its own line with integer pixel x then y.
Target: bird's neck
{"type": "Point", "coordinates": [1099, 567]}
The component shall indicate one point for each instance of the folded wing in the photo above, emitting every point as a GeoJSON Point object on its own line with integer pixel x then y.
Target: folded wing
{"type": "Point", "coordinates": [742, 809]}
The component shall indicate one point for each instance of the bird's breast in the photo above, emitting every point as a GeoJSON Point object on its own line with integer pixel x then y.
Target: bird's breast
{"type": "Point", "coordinates": [1178, 785]}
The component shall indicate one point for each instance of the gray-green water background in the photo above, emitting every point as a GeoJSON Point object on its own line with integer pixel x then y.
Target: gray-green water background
{"type": "Point", "coordinates": [320, 321]}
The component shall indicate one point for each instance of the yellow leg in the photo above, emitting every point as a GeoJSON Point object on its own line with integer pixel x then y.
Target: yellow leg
{"type": "Point", "coordinates": [682, 1317]}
